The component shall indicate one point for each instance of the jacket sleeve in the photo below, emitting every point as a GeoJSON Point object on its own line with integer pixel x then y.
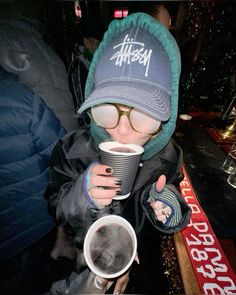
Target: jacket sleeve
{"type": "Point", "coordinates": [174, 178]}
{"type": "Point", "coordinates": [68, 201]}
{"type": "Point", "coordinates": [185, 210]}
{"type": "Point", "coordinates": [45, 128]}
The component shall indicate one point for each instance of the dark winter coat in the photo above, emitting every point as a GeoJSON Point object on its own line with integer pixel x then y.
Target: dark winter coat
{"type": "Point", "coordinates": [73, 207]}
{"type": "Point", "coordinates": [28, 132]}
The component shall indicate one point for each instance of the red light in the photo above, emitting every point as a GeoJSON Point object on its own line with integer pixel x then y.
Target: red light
{"type": "Point", "coordinates": [125, 12]}
{"type": "Point", "coordinates": [117, 13]}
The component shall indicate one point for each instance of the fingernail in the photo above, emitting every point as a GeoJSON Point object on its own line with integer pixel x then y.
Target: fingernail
{"type": "Point", "coordinates": [109, 170]}
{"type": "Point", "coordinates": [118, 182]}
{"type": "Point", "coordinates": [118, 292]}
{"type": "Point", "coordinates": [118, 193]}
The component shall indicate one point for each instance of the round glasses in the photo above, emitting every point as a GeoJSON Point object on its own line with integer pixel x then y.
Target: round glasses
{"type": "Point", "coordinates": [108, 116]}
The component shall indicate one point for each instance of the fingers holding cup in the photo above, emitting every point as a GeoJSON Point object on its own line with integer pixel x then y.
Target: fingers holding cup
{"type": "Point", "coordinates": [124, 159]}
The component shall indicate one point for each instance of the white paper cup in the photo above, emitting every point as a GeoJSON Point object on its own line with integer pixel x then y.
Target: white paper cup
{"type": "Point", "coordinates": [110, 246]}
{"type": "Point", "coordinates": [124, 160]}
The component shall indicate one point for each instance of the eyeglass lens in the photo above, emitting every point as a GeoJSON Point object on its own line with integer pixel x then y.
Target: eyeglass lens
{"type": "Point", "coordinates": [108, 116]}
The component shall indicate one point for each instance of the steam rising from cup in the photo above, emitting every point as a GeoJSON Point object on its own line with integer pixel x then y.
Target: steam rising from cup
{"type": "Point", "coordinates": [124, 159]}
{"type": "Point", "coordinates": [110, 246]}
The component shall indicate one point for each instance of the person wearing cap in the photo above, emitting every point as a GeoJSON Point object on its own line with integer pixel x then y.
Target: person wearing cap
{"type": "Point", "coordinates": [160, 12]}
{"type": "Point", "coordinates": [91, 33]}
{"type": "Point", "coordinates": [131, 97]}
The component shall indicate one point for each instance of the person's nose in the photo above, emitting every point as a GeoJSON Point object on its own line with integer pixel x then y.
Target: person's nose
{"type": "Point", "coordinates": [124, 127]}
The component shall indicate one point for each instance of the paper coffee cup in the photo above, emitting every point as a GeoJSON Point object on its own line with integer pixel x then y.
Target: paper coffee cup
{"type": "Point", "coordinates": [110, 246]}
{"type": "Point", "coordinates": [124, 160]}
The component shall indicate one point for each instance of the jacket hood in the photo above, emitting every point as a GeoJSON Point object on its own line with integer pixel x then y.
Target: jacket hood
{"type": "Point", "coordinates": [148, 23]}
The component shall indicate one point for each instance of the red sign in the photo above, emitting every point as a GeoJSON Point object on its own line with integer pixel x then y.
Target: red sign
{"type": "Point", "coordinates": [120, 13]}
{"type": "Point", "coordinates": [212, 269]}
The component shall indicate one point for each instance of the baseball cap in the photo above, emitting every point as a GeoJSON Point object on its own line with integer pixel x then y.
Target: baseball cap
{"type": "Point", "coordinates": [133, 70]}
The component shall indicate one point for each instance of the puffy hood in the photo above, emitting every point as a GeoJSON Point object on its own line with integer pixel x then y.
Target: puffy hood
{"type": "Point", "coordinates": [170, 46]}
{"type": "Point", "coordinates": [25, 53]}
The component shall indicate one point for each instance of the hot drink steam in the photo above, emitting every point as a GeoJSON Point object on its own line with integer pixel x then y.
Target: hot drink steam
{"type": "Point", "coordinates": [111, 248]}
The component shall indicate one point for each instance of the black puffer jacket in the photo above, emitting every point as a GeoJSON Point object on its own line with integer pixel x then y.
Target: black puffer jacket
{"type": "Point", "coordinates": [28, 133]}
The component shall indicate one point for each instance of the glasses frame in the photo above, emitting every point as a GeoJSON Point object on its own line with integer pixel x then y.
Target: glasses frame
{"type": "Point", "coordinates": [127, 114]}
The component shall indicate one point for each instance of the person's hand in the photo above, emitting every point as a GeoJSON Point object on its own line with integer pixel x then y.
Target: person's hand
{"type": "Point", "coordinates": [161, 210]}
{"type": "Point", "coordinates": [120, 283]}
{"type": "Point", "coordinates": [101, 185]}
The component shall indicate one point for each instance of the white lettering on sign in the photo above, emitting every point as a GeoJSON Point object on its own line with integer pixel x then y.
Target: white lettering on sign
{"type": "Point", "coordinates": [201, 239]}
{"type": "Point", "coordinates": [213, 288]}
{"type": "Point", "coordinates": [201, 227]}
{"type": "Point", "coordinates": [127, 54]}
{"type": "Point", "coordinates": [195, 209]}
{"type": "Point", "coordinates": [210, 270]}
{"type": "Point", "coordinates": [184, 190]}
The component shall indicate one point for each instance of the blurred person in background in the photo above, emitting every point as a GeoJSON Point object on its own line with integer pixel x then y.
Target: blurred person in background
{"type": "Point", "coordinates": [161, 13]}
{"type": "Point", "coordinates": [25, 53]}
{"type": "Point", "coordinates": [158, 9]}
{"type": "Point", "coordinates": [91, 34]}
{"type": "Point", "coordinates": [89, 37]}
{"type": "Point", "coordinates": [29, 131]}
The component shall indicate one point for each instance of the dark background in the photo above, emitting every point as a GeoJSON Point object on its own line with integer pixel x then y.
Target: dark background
{"type": "Point", "coordinates": [204, 30]}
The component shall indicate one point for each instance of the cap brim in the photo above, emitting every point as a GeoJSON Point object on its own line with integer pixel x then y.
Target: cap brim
{"type": "Point", "coordinates": [147, 98]}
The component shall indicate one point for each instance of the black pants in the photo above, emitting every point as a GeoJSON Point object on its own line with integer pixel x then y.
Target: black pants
{"type": "Point", "coordinates": [32, 271]}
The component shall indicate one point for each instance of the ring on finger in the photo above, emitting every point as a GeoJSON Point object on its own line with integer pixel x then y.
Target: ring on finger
{"type": "Point", "coordinates": [165, 214]}
{"type": "Point", "coordinates": [98, 284]}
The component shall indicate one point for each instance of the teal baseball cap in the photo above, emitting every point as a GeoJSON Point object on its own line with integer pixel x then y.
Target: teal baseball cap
{"type": "Point", "coordinates": [133, 70]}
